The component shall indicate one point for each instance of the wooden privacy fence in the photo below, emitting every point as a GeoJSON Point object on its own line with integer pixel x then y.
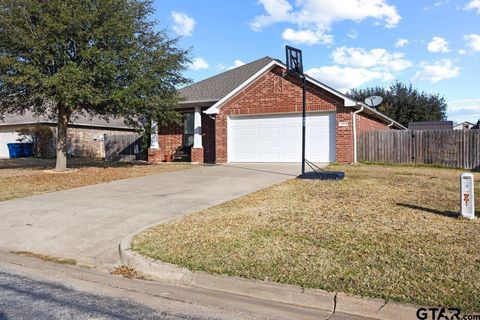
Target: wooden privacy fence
{"type": "Point", "coordinates": [450, 148]}
{"type": "Point", "coordinates": [123, 147]}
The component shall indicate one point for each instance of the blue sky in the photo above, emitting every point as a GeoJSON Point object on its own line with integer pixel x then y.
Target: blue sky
{"type": "Point", "coordinates": [434, 44]}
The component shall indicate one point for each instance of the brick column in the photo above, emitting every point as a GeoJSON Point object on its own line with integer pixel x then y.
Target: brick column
{"type": "Point", "coordinates": [197, 155]}
{"type": "Point", "coordinates": [197, 149]}
{"type": "Point", "coordinates": [344, 135]}
{"type": "Point", "coordinates": [154, 155]}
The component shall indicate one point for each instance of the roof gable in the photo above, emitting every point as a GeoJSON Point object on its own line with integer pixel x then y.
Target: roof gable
{"type": "Point", "coordinates": [217, 87]}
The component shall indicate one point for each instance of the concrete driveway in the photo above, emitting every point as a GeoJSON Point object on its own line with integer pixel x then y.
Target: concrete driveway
{"type": "Point", "coordinates": [88, 223]}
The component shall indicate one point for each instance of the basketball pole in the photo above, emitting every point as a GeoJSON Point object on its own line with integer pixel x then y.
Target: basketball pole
{"type": "Point", "coordinates": [304, 120]}
{"type": "Point", "coordinates": [294, 64]}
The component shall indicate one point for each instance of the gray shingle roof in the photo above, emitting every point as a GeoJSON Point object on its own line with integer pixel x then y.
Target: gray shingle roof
{"type": "Point", "coordinates": [431, 125]}
{"type": "Point", "coordinates": [217, 87]}
{"type": "Point", "coordinates": [30, 118]}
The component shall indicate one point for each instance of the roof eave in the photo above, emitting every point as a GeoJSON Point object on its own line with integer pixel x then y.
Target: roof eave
{"type": "Point", "coordinates": [196, 103]}
{"type": "Point", "coordinates": [378, 114]}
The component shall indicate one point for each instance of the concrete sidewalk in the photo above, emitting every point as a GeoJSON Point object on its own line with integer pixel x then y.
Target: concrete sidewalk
{"type": "Point", "coordinates": [88, 223]}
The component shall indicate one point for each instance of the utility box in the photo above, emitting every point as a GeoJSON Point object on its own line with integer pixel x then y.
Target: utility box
{"type": "Point", "coordinates": [467, 195]}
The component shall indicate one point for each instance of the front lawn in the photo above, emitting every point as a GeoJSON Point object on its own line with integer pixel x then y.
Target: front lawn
{"type": "Point", "coordinates": [386, 231]}
{"type": "Point", "coordinates": [30, 176]}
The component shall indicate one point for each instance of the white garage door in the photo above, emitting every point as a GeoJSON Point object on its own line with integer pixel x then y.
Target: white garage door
{"type": "Point", "coordinates": [278, 138]}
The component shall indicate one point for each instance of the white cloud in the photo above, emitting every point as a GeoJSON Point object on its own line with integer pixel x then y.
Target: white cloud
{"type": "Point", "coordinates": [236, 63]}
{"type": "Point", "coordinates": [438, 44]}
{"type": "Point", "coordinates": [198, 64]}
{"type": "Point", "coordinates": [377, 59]}
{"type": "Point", "coordinates": [464, 110]}
{"type": "Point", "coordinates": [314, 18]}
{"type": "Point", "coordinates": [437, 4]}
{"type": "Point", "coordinates": [277, 11]}
{"type": "Point", "coordinates": [305, 36]}
{"type": "Point", "coordinates": [473, 5]}
{"type": "Point", "coordinates": [462, 52]}
{"type": "Point", "coordinates": [346, 78]}
{"type": "Point", "coordinates": [473, 41]}
{"type": "Point", "coordinates": [183, 24]}
{"type": "Point", "coordinates": [401, 43]}
{"type": "Point", "coordinates": [436, 71]}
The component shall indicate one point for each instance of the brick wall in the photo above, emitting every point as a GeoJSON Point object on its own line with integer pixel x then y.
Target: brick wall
{"type": "Point", "coordinates": [271, 94]}
{"type": "Point", "coordinates": [344, 135]}
{"type": "Point", "coordinates": [170, 137]}
{"type": "Point", "coordinates": [367, 123]}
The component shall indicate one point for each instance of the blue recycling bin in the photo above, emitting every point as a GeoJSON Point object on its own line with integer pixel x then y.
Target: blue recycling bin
{"type": "Point", "coordinates": [20, 150]}
{"type": "Point", "coordinates": [14, 150]}
{"type": "Point", "coordinates": [27, 149]}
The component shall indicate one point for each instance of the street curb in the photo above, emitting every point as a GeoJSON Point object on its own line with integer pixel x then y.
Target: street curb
{"type": "Point", "coordinates": [283, 293]}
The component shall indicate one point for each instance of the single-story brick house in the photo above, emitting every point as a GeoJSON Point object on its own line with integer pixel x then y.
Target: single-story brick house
{"type": "Point", "coordinates": [85, 134]}
{"type": "Point", "coordinates": [253, 114]}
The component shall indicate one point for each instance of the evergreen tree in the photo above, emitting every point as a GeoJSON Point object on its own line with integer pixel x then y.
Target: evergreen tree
{"type": "Point", "coordinates": [66, 58]}
{"type": "Point", "coordinates": [404, 103]}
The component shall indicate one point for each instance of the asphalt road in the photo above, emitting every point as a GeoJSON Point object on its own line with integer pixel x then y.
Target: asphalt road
{"type": "Point", "coordinates": [34, 289]}
{"type": "Point", "coordinates": [23, 297]}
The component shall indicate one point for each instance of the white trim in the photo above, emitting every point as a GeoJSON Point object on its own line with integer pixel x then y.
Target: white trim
{"type": "Point", "coordinates": [154, 135]}
{"type": "Point", "coordinates": [197, 128]}
{"type": "Point", "coordinates": [280, 113]}
{"type": "Point", "coordinates": [229, 138]}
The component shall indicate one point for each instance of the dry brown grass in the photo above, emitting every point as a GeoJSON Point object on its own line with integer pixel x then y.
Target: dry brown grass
{"type": "Point", "coordinates": [45, 257]}
{"type": "Point", "coordinates": [126, 272]}
{"type": "Point", "coordinates": [21, 178]}
{"type": "Point", "coordinates": [386, 231]}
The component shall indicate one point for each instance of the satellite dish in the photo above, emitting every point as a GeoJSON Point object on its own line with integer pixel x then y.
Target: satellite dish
{"type": "Point", "coordinates": [373, 101]}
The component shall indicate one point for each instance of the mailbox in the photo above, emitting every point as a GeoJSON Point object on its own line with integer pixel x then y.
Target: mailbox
{"type": "Point", "coordinates": [467, 196]}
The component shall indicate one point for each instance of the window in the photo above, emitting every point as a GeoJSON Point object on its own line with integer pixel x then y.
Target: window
{"type": "Point", "coordinates": [188, 129]}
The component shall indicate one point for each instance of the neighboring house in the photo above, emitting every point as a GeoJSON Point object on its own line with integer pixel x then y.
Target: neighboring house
{"type": "Point", "coordinates": [253, 114]}
{"type": "Point", "coordinates": [431, 125]}
{"type": "Point", "coordinates": [85, 135]}
{"type": "Point", "coordinates": [477, 126]}
{"type": "Point", "coordinates": [464, 126]}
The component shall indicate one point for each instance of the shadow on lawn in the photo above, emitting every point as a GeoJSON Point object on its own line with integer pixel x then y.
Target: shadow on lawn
{"type": "Point", "coordinates": [449, 214]}
{"type": "Point", "coordinates": [43, 164]}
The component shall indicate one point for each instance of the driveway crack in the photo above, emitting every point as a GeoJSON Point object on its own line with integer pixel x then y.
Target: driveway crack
{"type": "Point", "coordinates": [334, 306]}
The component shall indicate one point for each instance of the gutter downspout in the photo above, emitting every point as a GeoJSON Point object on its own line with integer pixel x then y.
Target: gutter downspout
{"type": "Point", "coordinates": [391, 124]}
{"type": "Point", "coordinates": [354, 123]}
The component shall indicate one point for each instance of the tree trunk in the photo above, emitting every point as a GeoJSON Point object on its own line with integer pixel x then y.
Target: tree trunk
{"type": "Point", "coordinates": [62, 126]}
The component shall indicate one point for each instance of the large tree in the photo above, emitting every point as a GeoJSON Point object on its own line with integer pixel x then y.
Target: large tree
{"type": "Point", "coordinates": [404, 103]}
{"type": "Point", "coordinates": [103, 58]}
